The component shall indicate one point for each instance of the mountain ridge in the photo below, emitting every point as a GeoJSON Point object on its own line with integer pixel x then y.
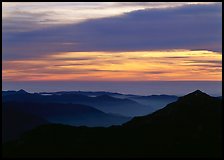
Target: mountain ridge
{"type": "Point", "coordinates": [105, 103]}
{"type": "Point", "coordinates": [195, 103]}
{"type": "Point", "coordinates": [71, 114]}
{"type": "Point", "coordinates": [181, 129]}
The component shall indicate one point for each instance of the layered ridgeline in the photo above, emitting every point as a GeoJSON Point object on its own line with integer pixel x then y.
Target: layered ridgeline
{"type": "Point", "coordinates": [126, 105]}
{"type": "Point", "coordinates": [189, 127]}
{"type": "Point", "coordinates": [23, 111]}
{"type": "Point", "coordinates": [19, 117]}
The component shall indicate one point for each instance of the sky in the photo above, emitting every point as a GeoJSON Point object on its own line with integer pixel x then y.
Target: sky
{"type": "Point", "coordinates": [66, 42]}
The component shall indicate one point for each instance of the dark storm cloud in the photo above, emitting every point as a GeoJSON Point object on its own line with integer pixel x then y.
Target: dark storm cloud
{"type": "Point", "coordinates": [187, 27]}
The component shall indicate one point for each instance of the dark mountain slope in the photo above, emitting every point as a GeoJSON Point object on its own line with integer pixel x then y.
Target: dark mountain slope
{"type": "Point", "coordinates": [16, 122]}
{"type": "Point", "coordinates": [190, 127]}
{"type": "Point", "coordinates": [71, 114]}
{"type": "Point", "coordinates": [196, 108]}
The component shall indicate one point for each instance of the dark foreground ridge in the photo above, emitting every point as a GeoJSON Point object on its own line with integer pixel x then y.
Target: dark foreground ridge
{"type": "Point", "coordinates": [189, 127]}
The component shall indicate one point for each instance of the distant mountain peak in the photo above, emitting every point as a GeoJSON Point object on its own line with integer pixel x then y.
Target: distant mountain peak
{"type": "Point", "coordinates": [196, 94]}
{"type": "Point", "coordinates": [197, 104]}
{"type": "Point", "coordinates": [21, 91]}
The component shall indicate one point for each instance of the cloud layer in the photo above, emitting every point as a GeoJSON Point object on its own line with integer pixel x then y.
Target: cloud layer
{"type": "Point", "coordinates": [122, 66]}
{"type": "Point", "coordinates": [30, 16]}
{"type": "Point", "coordinates": [192, 27]}
{"type": "Point", "coordinates": [156, 42]}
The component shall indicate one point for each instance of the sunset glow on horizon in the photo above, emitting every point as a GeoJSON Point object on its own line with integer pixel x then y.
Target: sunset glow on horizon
{"type": "Point", "coordinates": [118, 66]}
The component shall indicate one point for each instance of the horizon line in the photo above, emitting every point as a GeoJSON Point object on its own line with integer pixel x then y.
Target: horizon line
{"type": "Point", "coordinates": [119, 81]}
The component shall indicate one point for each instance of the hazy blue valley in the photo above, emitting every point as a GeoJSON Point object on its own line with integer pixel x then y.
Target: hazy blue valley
{"type": "Point", "coordinates": [72, 123]}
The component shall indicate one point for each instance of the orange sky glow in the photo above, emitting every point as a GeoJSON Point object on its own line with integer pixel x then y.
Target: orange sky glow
{"type": "Point", "coordinates": [168, 65]}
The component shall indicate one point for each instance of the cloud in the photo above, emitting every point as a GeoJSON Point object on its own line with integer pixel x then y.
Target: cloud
{"type": "Point", "coordinates": [177, 57]}
{"type": "Point", "coordinates": [156, 72]}
{"type": "Point", "coordinates": [192, 27]}
{"type": "Point", "coordinates": [207, 61]}
{"type": "Point", "coordinates": [36, 15]}
{"type": "Point", "coordinates": [146, 65]}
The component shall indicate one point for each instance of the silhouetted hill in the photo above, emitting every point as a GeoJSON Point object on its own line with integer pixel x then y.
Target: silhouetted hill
{"type": "Point", "coordinates": [5, 93]}
{"type": "Point", "coordinates": [189, 127]}
{"type": "Point", "coordinates": [71, 114]}
{"type": "Point", "coordinates": [15, 122]}
{"type": "Point", "coordinates": [193, 124]}
{"type": "Point", "coordinates": [21, 91]}
{"type": "Point", "coordinates": [196, 107]}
